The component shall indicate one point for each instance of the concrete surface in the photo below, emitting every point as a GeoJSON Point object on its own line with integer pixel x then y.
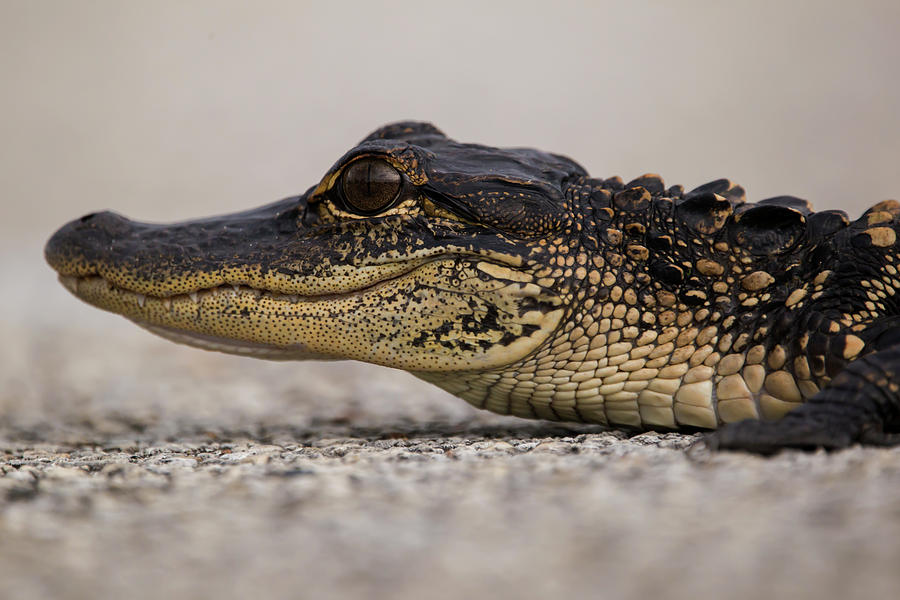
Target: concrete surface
{"type": "Point", "coordinates": [134, 468]}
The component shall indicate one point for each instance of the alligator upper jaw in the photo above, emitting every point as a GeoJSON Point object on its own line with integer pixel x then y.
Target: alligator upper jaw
{"type": "Point", "coordinates": [266, 283]}
{"type": "Point", "coordinates": [170, 278]}
{"type": "Point", "coordinates": [262, 251]}
{"type": "Point", "coordinates": [179, 258]}
{"type": "Point", "coordinates": [265, 251]}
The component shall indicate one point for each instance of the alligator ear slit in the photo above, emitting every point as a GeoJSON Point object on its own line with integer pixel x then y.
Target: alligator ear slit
{"type": "Point", "coordinates": [452, 204]}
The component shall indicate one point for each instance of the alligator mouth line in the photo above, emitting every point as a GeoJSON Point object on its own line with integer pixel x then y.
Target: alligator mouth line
{"type": "Point", "coordinates": [99, 286]}
{"type": "Point", "coordinates": [76, 283]}
{"type": "Point", "coordinates": [179, 317]}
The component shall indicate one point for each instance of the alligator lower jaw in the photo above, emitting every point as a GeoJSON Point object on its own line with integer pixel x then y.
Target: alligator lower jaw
{"type": "Point", "coordinates": [409, 321]}
{"type": "Point", "coordinates": [229, 346]}
{"type": "Point", "coordinates": [147, 312]}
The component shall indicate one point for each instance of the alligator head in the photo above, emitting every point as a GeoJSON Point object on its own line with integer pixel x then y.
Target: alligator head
{"type": "Point", "coordinates": [513, 280]}
{"type": "Point", "coordinates": [414, 251]}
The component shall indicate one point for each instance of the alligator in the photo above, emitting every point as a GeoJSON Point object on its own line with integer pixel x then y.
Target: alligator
{"type": "Point", "coordinates": [514, 280]}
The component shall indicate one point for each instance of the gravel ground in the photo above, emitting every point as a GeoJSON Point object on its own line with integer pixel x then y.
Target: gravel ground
{"type": "Point", "coordinates": [131, 467]}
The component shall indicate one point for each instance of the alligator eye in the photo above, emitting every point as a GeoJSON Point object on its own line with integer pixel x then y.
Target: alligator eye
{"type": "Point", "coordinates": [370, 185]}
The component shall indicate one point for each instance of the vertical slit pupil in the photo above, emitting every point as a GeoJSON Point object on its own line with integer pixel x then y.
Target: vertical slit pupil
{"type": "Point", "coordinates": [370, 185]}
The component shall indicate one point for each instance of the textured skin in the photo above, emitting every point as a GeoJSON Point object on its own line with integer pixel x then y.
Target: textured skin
{"type": "Point", "coordinates": [514, 280]}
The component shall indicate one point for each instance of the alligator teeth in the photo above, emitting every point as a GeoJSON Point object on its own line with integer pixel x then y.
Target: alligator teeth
{"type": "Point", "coordinates": [236, 288]}
{"type": "Point", "coordinates": [195, 297]}
{"type": "Point", "coordinates": [70, 283]}
{"type": "Point", "coordinates": [293, 298]}
{"type": "Point", "coordinates": [167, 303]}
{"type": "Point", "coordinates": [141, 298]}
{"type": "Point", "coordinates": [257, 293]}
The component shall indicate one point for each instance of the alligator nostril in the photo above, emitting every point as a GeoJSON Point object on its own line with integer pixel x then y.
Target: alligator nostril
{"type": "Point", "coordinates": [88, 217]}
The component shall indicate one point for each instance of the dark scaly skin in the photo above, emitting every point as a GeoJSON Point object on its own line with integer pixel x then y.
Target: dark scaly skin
{"type": "Point", "coordinates": [514, 280]}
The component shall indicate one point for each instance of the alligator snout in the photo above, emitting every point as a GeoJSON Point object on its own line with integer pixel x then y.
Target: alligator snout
{"type": "Point", "coordinates": [176, 258]}
{"type": "Point", "coordinates": [77, 246]}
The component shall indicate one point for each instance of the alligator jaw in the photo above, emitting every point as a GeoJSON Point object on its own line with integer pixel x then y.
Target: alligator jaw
{"type": "Point", "coordinates": [229, 346]}
{"type": "Point", "coordinates": [195, 318]}
{"type": "Point", "coordinates": [413, 252]}
{"type": "Point", "coordinates": [99, 292]}
{"type": "Point", "coordinates": [269, 283]}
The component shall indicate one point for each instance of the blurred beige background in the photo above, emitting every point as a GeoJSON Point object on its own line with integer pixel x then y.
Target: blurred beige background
{"type": "Point", "coordinates": [169, 110]}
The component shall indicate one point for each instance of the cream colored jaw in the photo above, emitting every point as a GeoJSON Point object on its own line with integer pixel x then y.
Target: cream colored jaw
{"type": "Point", "coordinates": [97, 282]}
{"type": "Point", "coordinates": [411, 321]}
{"type": "Point", "coordinates": [90, 287]}
{"type": "Point", "coordinates": [238, 347]}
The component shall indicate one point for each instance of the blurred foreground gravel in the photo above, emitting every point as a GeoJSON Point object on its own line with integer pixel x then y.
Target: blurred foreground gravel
{"type": "Point", "coordinates": [133, 468]}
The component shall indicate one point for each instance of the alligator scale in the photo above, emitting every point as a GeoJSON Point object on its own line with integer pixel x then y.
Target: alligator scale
{"type": "Point", "coordinates": [514, 280]}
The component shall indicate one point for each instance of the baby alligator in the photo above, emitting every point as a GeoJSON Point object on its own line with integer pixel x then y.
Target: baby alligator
{"type": "Point", "coordinates": [514, 280]}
